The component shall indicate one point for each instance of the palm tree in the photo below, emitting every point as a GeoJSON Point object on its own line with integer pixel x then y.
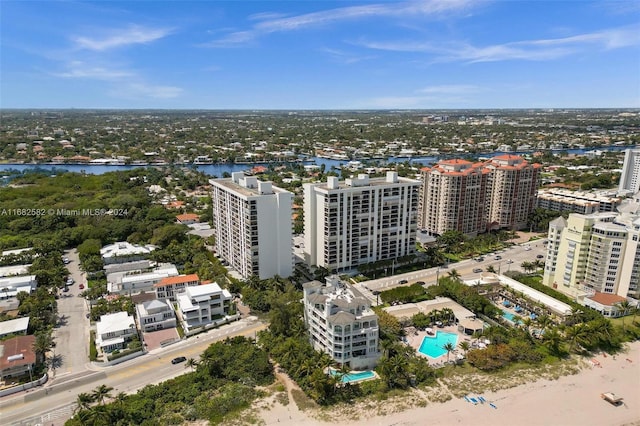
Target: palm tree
{"type": "Point", "coordinates": [544, 322]}
{"type": "Point", "coordinates": [83, 401]}
{"type": "Point", "coordinates": [42, 344]}
{"type": "Point", "coordinates": [191, 363]}
{"type": "Point", "coordinates": [553, 340]}
{"type": "Point", "coordinates": [527, 266]}
{"type": "Point", "coordinates": [449, 347]}
{"type": "Point", "coordinates": [464, 345]}
{"type": "Point", "coordinates": [306, 368]}
{"type": "Point", "coordinates": [624, 306]}
{"type": "Point", "coordinates": [577, 335]}
{"type": "Point", "coordinates": [454, 275]}
{"type": "Point", "coordinates": [101, 392]}
{"type": "Point", "coordinates": [491, 269]}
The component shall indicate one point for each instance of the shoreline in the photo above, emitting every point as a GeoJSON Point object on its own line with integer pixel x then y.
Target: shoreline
{"type": "Point", "coordinates": [567, 401]}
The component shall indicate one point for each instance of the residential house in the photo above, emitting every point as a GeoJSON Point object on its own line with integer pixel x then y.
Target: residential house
{"type": "Point", "coordinates": [17, 356]}
{"type": "Point", "coordinates": [123, 251]}
{"type": "Point", "coordinates": [201, 305]}
{"type": "Point", "coordinates": [14, 326]}
{"type": "Point", "coordinates": [187, 218]}
{"type": "Point", "coordinates": [114, 330]}
{"type": "Point", "coordinates": [169, 287]}
{"type": "Point", "coordinates": [156, 315]}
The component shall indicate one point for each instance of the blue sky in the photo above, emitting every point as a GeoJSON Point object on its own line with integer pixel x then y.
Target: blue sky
{"type": "Point", "coordinates": [319, 55]}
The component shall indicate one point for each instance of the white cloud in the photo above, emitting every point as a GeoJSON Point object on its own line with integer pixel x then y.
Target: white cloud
{"type": "Point", "coordinates": [452, 89]}
{"type": "Point", "coordinates": [78, 69]}
{"type": "Point", "coordinates": [134, 34]}
{"type": "Point", "coordinates": [270, 23]}
{"type": "Point", "coordinates": [144, 90]}
{"type": "Point", "coordinates": [531, 50]}
{"type": "Point", "coordinates": [345, 57]}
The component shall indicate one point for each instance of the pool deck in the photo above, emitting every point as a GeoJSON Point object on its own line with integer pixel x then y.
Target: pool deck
{"type": "Point", "coordinates": [415, 340]}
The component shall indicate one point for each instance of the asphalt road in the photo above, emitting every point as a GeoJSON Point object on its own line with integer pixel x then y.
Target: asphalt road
{"type": "Point", "coordinates": [54, 403]}
{"type": "Point", "coordinates": [516, 254]}
{"type": "Point", "coordinates": [71, 353]}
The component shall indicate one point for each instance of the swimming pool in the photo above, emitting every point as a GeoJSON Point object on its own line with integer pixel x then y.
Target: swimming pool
{"type": "Point", "coordinates": [510, 317]}
{"type": "Point", "coordinates": [433, 346]}
{"type": "Point", "coordinates": [354, 376]}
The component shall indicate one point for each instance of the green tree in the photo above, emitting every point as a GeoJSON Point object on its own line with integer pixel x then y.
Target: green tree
{"type": "Point", "coordinates": [449, 347]}
{"type": "Point", "coordinates": [102, 392]}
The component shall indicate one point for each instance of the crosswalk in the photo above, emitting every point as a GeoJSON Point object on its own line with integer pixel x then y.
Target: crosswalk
{"type": "Point", "coordinates": [57, 416]}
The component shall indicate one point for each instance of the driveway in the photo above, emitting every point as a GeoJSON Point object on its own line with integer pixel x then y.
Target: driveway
{"type": "Point", "coordinates": [72, 332]}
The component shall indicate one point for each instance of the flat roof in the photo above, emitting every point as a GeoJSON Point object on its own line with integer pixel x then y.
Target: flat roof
{"type": "Point", "coordinates": [537, 296]}
{"type": "Point", "coordinates": [17, 325]}
{"type": "Point", "coordinates": [114, 322]}
{"type": "Point", "coordinates": [6, 271]}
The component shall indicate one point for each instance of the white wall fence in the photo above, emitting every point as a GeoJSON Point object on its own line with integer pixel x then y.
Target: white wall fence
{"type": "Point", "coordinates": [25, 386]}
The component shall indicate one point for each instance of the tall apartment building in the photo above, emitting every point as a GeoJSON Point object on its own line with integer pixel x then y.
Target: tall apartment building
{"type": "Point", "coordinates": [564, 200]}
{"type": "Point", "coordinates": [511, 191]}
{"type": "Point", "coordinates": [594, 253]}
{"type": "Point", "coordinates": [360, 220]}
{"type": "Point", "coordinates": [252, 225]}
{"type": "Point", "coordinates": [630, 178]}
{"type": "Point", "coordinates": [457, 195]}
{"type": "Point", "coordinates": [452, 198]}
{"type": "Point", "coordinates": [341, 323]}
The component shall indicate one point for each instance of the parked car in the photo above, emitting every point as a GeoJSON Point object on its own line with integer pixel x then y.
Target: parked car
{"type": "Point", "coordinates": [498, 257]}
{"type": "Point", "coordinates": [540, 256]}
{"type": "Point", "coordinates": [403, 281]}
{"type": "Point", "coordinates": [480, 259]}
{"type": "Point", "coordinates": [81, 286]}
{"type": "Point", "coordinates": [66, 260]}
{"type": "Point", "coordinates": [178, 360]}
{"type": "Point", "coordinates": [477, 270]}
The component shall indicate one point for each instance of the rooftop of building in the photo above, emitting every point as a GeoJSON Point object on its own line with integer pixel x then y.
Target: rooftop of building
{"type": "Point", "coordinates": [114, 322]}
{"type": "Point", "coordinates": [124, 248]}
{"type": "Point", "coordinates": [17, 325]}
{"type": "Point", "coordinates": [248, 186]}
{"type": "Point", "coordinates": [17, 351]}
{"type": "Point", "coordinates": [606, 299]}
{"type": "Point", "coordinates": [179, 279]}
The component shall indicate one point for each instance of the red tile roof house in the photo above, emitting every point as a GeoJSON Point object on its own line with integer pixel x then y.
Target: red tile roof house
{"type": "Point", "coordinates": [17, 356]}
{"type": "Point", "coordinates": [169, 287]}
{"type": "Point", "coordinates": [605, 303]}
{"type": "Point", "coordinates": [188, 218]}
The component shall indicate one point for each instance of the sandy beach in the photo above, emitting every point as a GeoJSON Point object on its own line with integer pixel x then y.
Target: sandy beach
{"type": "Point", "coordinates": [570, 400]}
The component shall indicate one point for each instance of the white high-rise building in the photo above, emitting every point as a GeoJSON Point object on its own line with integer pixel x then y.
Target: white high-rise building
{"type": "Point", "coordinates": [594, 253]}
{"type": "Point", "coordinates": [630, 178]}
{"type": "Point", "coordinates": [341, 323]}
{"type": "Point", "coordinates": [360, 220]}
{"type": "Point", "coordinates": [252, 225]}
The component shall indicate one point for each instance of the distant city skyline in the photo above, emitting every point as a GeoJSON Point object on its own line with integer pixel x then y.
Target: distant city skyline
{"type": "Point", "coordinates": [432, 54]}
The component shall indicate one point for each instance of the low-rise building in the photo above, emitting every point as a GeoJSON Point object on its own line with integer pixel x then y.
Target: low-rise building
{"type": "Point", "coordinates": [169, 287]}
{"type": "Point", "coordinates": [203, 304]}
{"type": "Point", "coordinates": [114, 330]}
{"type": "Point", "coordinates": [607, 304]}
{"type": "Point", "coordinates": [156, 315]}
{"type": "Point", "coordinates": [564, 200]}
{"type": "Point", "coordinates": [133, 282]}
{"type": "Point", "coordinates": [187, 218]}
{"type": "Point", "coordinates": [17, 356]}
{"type": "Point", "coordinates": [11, 286]}
{"type": "Point", "coordinates": [14, 326]}
{"type": "Point", "coordinates": [123, 251]}
{"type": "Point", "coordinates": [13, 270]}
{"type": "Point", "coordinates": [341, 323]}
